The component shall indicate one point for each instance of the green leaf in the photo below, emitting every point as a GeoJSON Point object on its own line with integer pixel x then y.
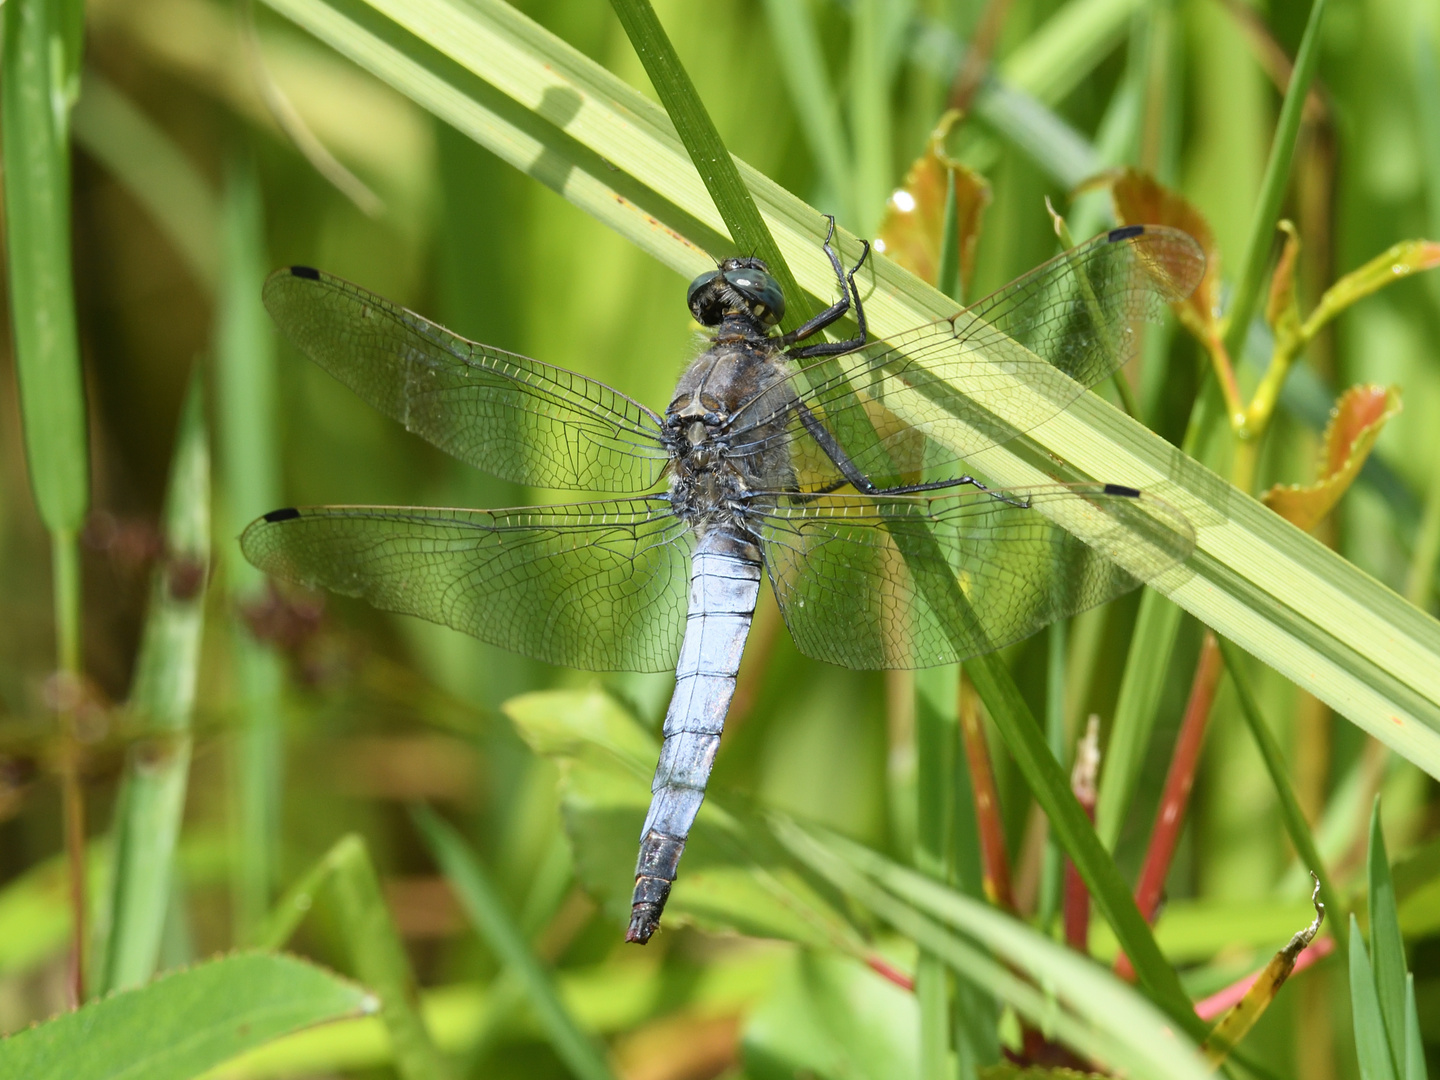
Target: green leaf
{"type": "Point", "coordinates": [42, 294]}
{"type": "Point", "coordinates": [157, 769]}
{"type": "Point", "coordinates": [487, 914]}
{"type": "Point", "coordinates": [185, 1023]}
{"type": "Point", "coordinates": [1414, 1045]}
{"type": "Point", "coordinates": [1387, 948]}
{"type": "Point", "coordinates": [550, 111]}
{"type": "Point", "coordinates": [248, 445]}
{"type": "Point", "coordinates": [1372, 1047]}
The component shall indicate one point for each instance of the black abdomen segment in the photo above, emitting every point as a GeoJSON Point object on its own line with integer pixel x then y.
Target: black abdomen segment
{"type": "Point", "coordinates": [724, 583]}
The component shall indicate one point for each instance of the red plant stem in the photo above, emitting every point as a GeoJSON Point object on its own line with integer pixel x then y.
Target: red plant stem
{"type": "Point", "coordinates": [1170, 818]}
{"type": "Point", "coordinates": [1221, 1002]}
{"type": "Point", "coordinates": [1082, 783]}
{"type": "Point", "coordinates": [892, 974]}
{"type": "Point", "coordinates": [995, 866]}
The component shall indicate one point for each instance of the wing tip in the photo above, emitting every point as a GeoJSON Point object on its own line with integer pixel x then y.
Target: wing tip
{"type": "Point", "coordinates": [285, 513]}
{"type": "Point", "coordinates": [1125, 232]}
{"type": "Point", "coordinates": [1121, 489]}
{"type": "Point", "coordinates": [309, 273]}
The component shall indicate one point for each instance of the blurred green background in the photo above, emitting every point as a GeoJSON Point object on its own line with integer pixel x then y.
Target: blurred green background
{"type": "Point", "coordinates": [180, 164]}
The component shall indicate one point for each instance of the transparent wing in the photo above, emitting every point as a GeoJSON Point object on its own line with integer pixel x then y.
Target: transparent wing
{"type": "Point", "coordinates": [930, 393]}
{"type": "Point", "coordinates": [514, 417]}
{"type": "Point", "coordinates": [596, 585]}
{"type": "Point", "coordinates": [916, 581]}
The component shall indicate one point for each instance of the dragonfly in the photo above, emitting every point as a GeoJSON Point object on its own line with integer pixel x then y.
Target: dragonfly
{"type": "Point", "coordinates": [832, 467]}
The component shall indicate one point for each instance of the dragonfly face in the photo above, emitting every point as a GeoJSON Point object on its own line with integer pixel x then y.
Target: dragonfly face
{"type": "Point", "coordinates": [829, 467]}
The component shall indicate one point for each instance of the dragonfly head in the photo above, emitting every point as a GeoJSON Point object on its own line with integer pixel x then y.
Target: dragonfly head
{"type": "Point", "coordinates": [737, 287]}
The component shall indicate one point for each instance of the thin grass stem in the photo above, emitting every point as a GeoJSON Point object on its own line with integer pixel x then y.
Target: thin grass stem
{"type": "Point", "coordinates": [1272, 191]}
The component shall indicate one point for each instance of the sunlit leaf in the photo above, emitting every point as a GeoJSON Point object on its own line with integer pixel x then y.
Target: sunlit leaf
{"type": "Point", "coordinates": [910, 232]}
{"type": "Point", "coordinates": [1355, 423]}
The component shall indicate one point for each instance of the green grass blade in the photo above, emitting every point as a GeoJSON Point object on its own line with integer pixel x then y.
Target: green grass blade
{"type": "Point", "coordinates": [1272, 188]}
{"type": "Point", "coordinates": [1146, 666]}
{"type": "Point", "coordinates": [154, 170]}
{"type": "Point", "coordinates": [183, 1024]}
{"type": "Point", "coordinates": [1069, 46]}
{"type": "Point", "coordinates": [42, 295]}
{"type": "Point", "coordinates": [803, 69]}
{"type": "Point", "coordinates": [702, 141]}
{"type": "Point", "coordinates": [38, 72]}
{"type": "Point", "coordinates": [162, 699]}
{"type": "Point", "coordinates": [345, 881]}
{"type": "Point", "coordinates": [246, 414]}
{"type": "Point", "coordinates": [1296, 824]}
{"type": "Point", "coordinates": [1028, 125]}
{"type": "Point", "coordinates": [869, 79]}
{"type": "Point", "coordinates": [1372, 1046]}
{"type": "Point", "coordinates": [936, 736]}
{"type": "Point", "coordinates": [1275, 591]}
{"type": "Point", "coordinates": [1414, 1046]}
{"type": "Point", "coordinates": [1387, 947]}
{"type": "Point", "coordinates": [500, 933]}
{"type": "Point", "coordinates": [1052, 870]}
{"type": "Point", "coordinates": [1097, 1014]}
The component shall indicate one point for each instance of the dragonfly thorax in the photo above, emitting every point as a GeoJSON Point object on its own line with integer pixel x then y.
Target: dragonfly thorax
{"type": "Point", "coordinates": [715, 466]}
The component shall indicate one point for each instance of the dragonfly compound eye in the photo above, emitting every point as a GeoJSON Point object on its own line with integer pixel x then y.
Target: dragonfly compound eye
{"type": "Point", "coordinates": [762, 295]}
{"type": "Point", "coordinates": [717, 293]}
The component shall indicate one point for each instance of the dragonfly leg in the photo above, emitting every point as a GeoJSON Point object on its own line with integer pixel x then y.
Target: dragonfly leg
{"type": "Point", "coordinates": [959, 481]}
{"type": "Point", "coordinates": [834, 451]}
{"type": "Point", "coordinates": [835, 311]}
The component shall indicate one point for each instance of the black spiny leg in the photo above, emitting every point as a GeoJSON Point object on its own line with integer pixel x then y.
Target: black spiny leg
{"type": "Point", "coordinates": [835, 311]}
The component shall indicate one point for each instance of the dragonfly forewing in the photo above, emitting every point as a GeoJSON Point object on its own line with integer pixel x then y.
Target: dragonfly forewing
{"type": "Point", "coordinates": [600, 586]}
{"type": "Point", "coordinates": [511, 416]}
